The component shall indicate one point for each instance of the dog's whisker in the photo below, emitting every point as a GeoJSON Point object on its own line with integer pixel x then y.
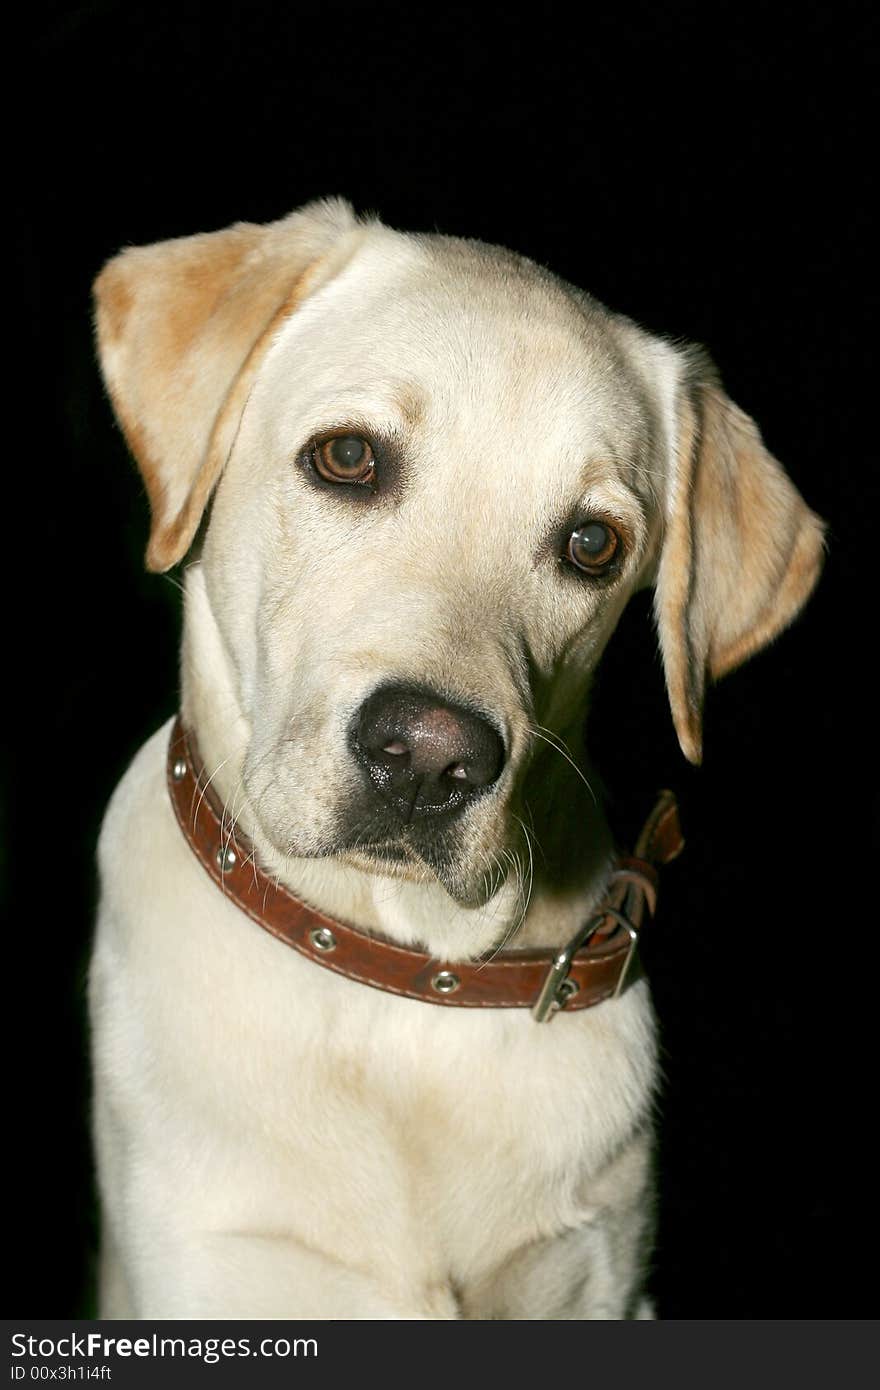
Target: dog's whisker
{"type": "Point", "coordinates": [202, 789]}
{"type": "Point", "coordinates": [228, 828]}
{"type": "Point", "coordinates": [536, 732]}
{"type": "Point", "coordinates": [535, 837]}
{"type": "Point", "coordinates": [531, 869]}
{"type": "Point", "coordinates": [251, 856]}
{"type": "Point", "coordinates": [492, 879]}
{"type": "Point", "coordinates": [174, 582]}
{"type": "Point", "coordinates": [514, 927]}
{"type": "Point", "coordinates": [523, 894]}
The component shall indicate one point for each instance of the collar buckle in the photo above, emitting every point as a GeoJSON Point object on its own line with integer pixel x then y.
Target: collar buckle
{"type": "Point", "coordinates": [558, 987]}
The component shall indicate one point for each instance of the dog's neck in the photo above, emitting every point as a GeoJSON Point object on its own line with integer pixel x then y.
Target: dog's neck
{"type": "Point", "coordinates": [542, 907]}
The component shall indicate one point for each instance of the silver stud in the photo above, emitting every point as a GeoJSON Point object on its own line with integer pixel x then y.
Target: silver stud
{"type": "Point", "coordinates": [178, 771]}
{"type": "Point", "coordinates": [445, 982]}
{"type": "Point", "coordinates": [322, 939]}
{"type": "Point", "coordinates": [226, 858]}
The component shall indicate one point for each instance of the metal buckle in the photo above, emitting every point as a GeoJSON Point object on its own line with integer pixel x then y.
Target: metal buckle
{"type": "Point", "coordinates": [554, 994]}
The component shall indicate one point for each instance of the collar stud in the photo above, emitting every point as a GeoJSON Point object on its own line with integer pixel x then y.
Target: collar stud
{"type": "Point", "coordinates": [446, 982]}
{"type": "Point", "coordinates": [322, 939]}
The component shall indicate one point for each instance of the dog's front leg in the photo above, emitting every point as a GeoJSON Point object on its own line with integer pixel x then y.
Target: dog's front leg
{"type": "Point", "coordinates": [594, 1267]}
{"type": "Point", "coordinates": [240, 1274]}
{"type": "Point", "coordinates": [582, 1274]}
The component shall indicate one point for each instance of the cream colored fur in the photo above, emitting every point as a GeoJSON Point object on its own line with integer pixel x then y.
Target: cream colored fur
{"type": "Point", "coordinates": [274, 1140]}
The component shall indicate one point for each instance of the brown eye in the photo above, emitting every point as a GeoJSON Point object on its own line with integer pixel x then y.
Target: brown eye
{"type": "Point", "coordinates": [345, 459]}
{"type": "Point", "coordinates": [592, 546]}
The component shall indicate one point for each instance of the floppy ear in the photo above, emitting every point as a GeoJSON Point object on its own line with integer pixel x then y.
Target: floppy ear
{"type": "Point", "coordinates": [182, 328]}
{"type": "Point", "coordinates": [741, 553]}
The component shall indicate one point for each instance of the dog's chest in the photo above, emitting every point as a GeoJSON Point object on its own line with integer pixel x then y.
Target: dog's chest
{"type": "Point", "coordinates": [500, 1136]}
{"type": "Point", "coordinates": [283, 1098]}
{"type": "Point", "coordinates": [406, 1133]}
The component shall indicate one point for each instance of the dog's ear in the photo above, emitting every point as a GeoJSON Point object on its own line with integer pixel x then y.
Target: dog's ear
{"type": "Point", "coordinates": [741, 551]}
{"type": "Point", "coordinates": [182, 327]}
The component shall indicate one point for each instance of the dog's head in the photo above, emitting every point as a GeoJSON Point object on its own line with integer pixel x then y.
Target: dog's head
{"type": "Point", "coordinates": [436, 474]}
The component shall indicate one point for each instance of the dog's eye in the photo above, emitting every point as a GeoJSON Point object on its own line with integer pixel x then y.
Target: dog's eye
{"type": "Point", "coordinates": [592, 546]}
{"type": "Point", "coordinates": [345, 459]}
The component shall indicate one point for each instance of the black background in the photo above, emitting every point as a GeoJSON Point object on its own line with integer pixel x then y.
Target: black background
{"type": "Point", "coordinates": [704, 170]}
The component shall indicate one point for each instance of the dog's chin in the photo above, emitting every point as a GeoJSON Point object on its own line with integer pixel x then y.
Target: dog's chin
{"type": "Point", "coordinates": [402, 862]}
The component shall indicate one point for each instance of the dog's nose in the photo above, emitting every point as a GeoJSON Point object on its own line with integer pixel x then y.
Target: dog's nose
{"type": "Point", "coordinates": [425, 755]}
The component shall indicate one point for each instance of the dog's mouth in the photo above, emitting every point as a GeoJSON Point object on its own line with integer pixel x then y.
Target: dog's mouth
{"type": "Point", "coordinates": [470, 872]}
{"type": "Point", "coordinates": [397, 859]}
{"type": "Point", "coordinates": [422, 860]}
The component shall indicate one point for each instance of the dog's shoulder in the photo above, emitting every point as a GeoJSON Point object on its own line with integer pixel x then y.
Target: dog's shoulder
{"type": "Point", "coordinates": [138, 808]}
{"type": "Point", "coordinates": [145, 870]}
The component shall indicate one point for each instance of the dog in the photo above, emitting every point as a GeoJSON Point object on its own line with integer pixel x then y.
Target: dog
{"type": "Point", "coordinates": [417, 479]}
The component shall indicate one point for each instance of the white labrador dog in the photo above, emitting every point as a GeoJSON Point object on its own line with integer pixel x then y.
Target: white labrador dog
{"type": "Point", "coordinates": [436, 473]}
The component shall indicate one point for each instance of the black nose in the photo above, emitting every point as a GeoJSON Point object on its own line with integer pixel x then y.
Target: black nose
{"type": "Point", "coordinates": [425, 756]}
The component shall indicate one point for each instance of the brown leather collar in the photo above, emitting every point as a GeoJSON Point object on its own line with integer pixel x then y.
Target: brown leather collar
{"type": "Point", "coordinates": [594, 965]}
